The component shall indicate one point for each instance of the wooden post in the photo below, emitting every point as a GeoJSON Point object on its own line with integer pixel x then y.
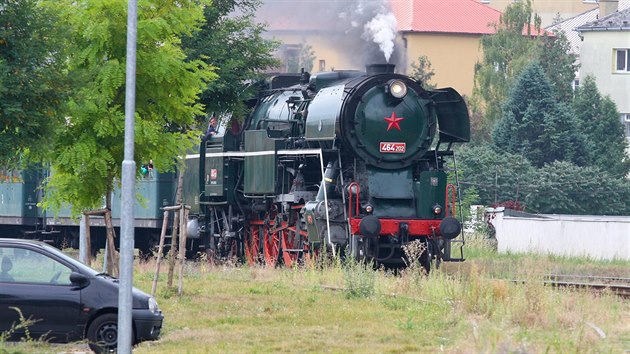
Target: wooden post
{"type": "Point", "coordinates": [172, 254]}
{"type": "Point", "coordinates": [108, 226]}
{"type": "Point", "coordinates": [160, 251]}
{"type": "Point", "coordinates": [182, 247]}
{"type": "Point", "coordinates": [88, 239]}
{"type": "Point", "coordinates": [181, 214]}
{"type": "Point", "coordinates": [113, 255]}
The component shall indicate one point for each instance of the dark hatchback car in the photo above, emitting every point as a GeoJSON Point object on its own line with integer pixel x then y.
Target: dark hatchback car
{"type": "Point", "coordinates": [64, 300]}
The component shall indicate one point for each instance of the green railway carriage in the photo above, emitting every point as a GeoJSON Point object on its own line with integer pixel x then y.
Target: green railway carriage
{"type": "Point", "coordinates": [353, 160]}
{"type": "Point", "coordinates": [19, 197]}
{"type": "Point", "coordinates": [21, 216]}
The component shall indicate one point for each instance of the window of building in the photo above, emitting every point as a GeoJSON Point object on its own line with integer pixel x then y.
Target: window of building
{"type": "Point", "coordinates": [290, 57]}
{"type": "Point", "coordinates": [625, 120]}
{"type": "Point", "coordinates": [622, 60]}
{"type": "Point", "coordinates": [322, 65]}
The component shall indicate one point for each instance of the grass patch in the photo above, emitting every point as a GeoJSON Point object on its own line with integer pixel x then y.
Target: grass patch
{"type": "Point", "coordinates": [344, 306]}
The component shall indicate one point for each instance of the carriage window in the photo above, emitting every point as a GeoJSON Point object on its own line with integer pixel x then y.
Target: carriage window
{"type": "Point", "coordinates": [10, 175]}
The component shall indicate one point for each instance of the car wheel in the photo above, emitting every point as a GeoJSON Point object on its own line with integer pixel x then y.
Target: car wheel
{"type": "Point", "coordinates": [103, 333]}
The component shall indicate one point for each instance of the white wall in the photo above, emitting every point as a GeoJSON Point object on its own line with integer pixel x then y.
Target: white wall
{"type": "Point", "coordinates": [597, 237]}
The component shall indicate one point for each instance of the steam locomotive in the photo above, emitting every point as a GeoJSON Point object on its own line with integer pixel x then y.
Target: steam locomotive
{"type": "Point", "coordinates": [348, 161]}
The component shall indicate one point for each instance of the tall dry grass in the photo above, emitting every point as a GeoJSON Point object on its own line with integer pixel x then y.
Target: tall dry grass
{"type": "Point", "coordinates": [335, 305]}
{"type": "Point", "coordinates": [469, 307]}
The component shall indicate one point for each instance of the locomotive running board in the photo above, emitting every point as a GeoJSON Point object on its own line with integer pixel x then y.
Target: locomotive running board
{"type": "Point", "coordinates": [317, 152]}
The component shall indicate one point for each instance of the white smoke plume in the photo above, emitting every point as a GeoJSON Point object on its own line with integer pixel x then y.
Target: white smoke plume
{"type": "Point", "coordinates": [363, 30]}
{"type": "Point", "coordinates": [382, 30]}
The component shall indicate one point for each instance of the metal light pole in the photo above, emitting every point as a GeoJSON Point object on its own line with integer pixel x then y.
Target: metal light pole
{"type": "Point", "coordinates": [125, 328]}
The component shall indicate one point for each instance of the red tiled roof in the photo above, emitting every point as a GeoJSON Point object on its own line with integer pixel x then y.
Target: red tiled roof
{"type": "Point", "coordinates": [448, 16]}
{"type": "Point", "coordinates": [433, 16]}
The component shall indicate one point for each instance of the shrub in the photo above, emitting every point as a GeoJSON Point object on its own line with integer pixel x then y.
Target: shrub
{"type": "Point", "coordinates": [359, 277]}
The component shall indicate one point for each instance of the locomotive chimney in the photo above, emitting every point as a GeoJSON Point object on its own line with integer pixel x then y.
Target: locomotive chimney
{"type": "Point", "coordinates": [373, 69]}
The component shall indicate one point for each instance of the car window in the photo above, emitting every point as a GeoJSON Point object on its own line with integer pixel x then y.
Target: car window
{"type": "Point", "coordinates": [27, 266]}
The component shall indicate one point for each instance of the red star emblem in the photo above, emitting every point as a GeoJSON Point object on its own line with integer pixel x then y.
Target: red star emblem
{"type": "Point", "coordinates": [393, 121]}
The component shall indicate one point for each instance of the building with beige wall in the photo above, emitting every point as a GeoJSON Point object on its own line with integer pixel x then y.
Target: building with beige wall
{"type": "Point", "coordinates": [448, 33]}
{"type": "Point", "coordinates": [453, 57]}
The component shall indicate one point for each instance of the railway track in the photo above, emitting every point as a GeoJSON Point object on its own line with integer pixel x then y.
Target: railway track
{"type": "Point", "coordinates": [617, 285]}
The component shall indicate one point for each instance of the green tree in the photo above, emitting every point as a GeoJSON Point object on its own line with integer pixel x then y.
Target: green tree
{"type": "Point", "coordinates": [423, 72]}
{"type": "Point", "coordinates": [564, 188]}
{"type": "Point", "coordinates": [304, 60]}
{"type": "Point", "coordinates": [559, 63]}
{"type": "Point", "coordinates": [598, 118]}
{"type": "Point", "coordinates": [89, 149]}
{"type": "Point", "coordinates": [32, 81]}
{"type": "Point", "coordinates": [559, 187]}
{"type": "Point", "coordinates": [505, 54]}
{"type": "Point", "coordinates": [535, 125]}
{"type": "Point", "coordinates": [494, 176]}
{"type": "Point", "coordinates": [231, 41]}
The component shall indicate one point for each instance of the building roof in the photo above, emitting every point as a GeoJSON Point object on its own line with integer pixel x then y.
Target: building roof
{"type": "Point", "coordinates": [572, 25]}
{"type": "Point", "coordinates": [617, 21]}
{"type": "Point", "coordinates": [447, 16]}
{"type": "Point", "coordinates": [568, 27]}
{"type": "Point", "coordinates": [428, 16]}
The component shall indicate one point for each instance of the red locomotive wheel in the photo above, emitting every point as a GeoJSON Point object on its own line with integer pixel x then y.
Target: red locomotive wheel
{"type": "Point", "coordinates": [290, 244]}
{"type": "Point", "coordinates": [271, 247]}
{"type": "Point", "coordinates": [252, 245]}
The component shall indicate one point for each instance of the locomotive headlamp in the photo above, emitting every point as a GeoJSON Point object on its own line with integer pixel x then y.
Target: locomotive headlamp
{"type": "Point", "coordinates": [437, 209]}
{"type": "Point", "coordinates": [397, 88]}
{"type": "Point", "coordinates": [369, 209]}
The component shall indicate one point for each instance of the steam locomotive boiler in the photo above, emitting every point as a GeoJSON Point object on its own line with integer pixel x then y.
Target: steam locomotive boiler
{"type": "Point", "coordinates": [354, 161]}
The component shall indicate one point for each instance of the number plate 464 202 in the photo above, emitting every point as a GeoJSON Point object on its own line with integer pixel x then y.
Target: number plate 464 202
{"type": "Point", "coordinates": [393, 148]}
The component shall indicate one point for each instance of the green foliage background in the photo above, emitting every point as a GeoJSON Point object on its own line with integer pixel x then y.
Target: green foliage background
{"type": "Point", "coordinates": [88, 151]}
{"type": "Point", "coordinates": [62, 84]}
{"type": "Point", "coordinates": [537, 143]}
{"type": "Point", "coordinates": [559, 187]}
{"type": "Point", "coordinates": [536, 125]}
{"type": "Point", "coordinates": [231, 42]}
{"type": "Point", "coordinates": [33, 82]}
